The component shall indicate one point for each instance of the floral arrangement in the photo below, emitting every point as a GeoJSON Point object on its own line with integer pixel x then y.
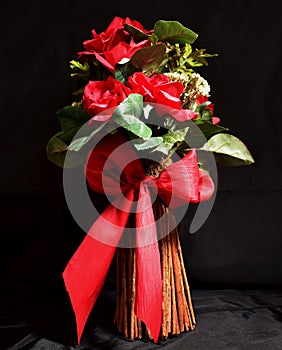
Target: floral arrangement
{"type": "Point", "coordinates": [143, 86]}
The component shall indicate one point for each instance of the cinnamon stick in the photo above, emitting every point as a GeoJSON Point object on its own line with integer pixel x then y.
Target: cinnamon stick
{"type": "Point", "coordinates": [124, 293]}
{"type": "Point", "coordinates": [175, 324]}
{"type": "Point", "coordinates": [164, 287]}
{"type": "Point", "coordinates": [186, 313]}
{"type": "Point", "coordinates": [132, 273]}
{"type": "Point", "coordinates": [187, 288]}
{"type": "Point", "coordinates": [118, 318]}
{"type": "Point", "coordinates": [177, 278]}
{"type": "Point", "coordinates": [140, 332]}
{"type": "Point", "coordinates": [166, 281]}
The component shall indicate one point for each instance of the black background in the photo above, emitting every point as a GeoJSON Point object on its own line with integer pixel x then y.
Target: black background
{"type": "Point", "coordinates": [239, 246]}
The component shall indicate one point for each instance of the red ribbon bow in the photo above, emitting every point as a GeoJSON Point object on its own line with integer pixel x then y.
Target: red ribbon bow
{"type": "Point", "coordinates": [85, 273]}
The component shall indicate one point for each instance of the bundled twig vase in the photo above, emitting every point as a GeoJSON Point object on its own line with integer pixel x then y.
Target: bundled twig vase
{"type": "Point", "coordinates": [177, 309]}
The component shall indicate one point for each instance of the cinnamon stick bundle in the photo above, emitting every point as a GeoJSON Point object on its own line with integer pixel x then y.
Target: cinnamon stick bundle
{"type": "Point", "coordinates": [177, 309]}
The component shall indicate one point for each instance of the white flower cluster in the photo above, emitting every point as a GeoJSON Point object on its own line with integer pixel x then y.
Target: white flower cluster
{"type": "Point", "coordinates": [181, 77]}
{"type": "Point", "coordinates": [198, 83]}
{"type": "Point", "coordinates": [194, 86]}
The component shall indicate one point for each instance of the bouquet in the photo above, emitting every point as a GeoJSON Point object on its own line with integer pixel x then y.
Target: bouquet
{"type": "Point", "coordinates": [141, 126]}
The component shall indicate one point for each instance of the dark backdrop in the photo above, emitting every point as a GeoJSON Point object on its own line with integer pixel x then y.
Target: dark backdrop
{"type": "Point", "coordinates": [240, 243]}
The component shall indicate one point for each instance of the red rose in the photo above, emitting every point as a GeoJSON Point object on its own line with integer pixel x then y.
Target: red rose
{"type": "Point", "coordinates": [159, 89]}
{"type": "Point", "coordinates": [201, 99]}
{"type": "Point", "coordinates": [99, 96]}
{"type": "Point", "coordinates": [110, 46]}
{"type": "Point", "coordinates": [122, 50]}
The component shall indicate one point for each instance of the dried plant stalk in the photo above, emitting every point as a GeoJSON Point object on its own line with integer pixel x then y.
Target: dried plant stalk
{"type": "Point", "coordinates": [177, 309]}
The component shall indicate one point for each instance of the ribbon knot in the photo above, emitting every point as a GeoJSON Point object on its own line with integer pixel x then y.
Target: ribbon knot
{"type": "Point", "coordinates": [148, 181]}
{"type": "Point", "coordinates": [137, 184]}
{"type": "Point", "coordinates": [85, 273]}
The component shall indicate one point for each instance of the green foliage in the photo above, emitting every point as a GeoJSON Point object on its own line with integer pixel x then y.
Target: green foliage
{"type": "Point", "coordinates": [147, 60]}
{"type": "Point", "coordinates": [123, 71]}
{"type": "Point", "coordinates": [170, 139]}
{"type": "Point", "coordinates": [149, 143]}
{"type": "Point", "coordinates": [170, 51]}
{"type": "Point", "coordinates": [136, 33]}
{"type": "Point", "coordinates": [57, 148]}
{"type": "Point", "coordinates": [83, 72]}
{"type": "Point", "coordinates": [127, 115]}
{"type": "Point", "coordinates": [208, 128]}
{"type": "Point", "coordinates": [80, 70]}
{"type": "Point", "coordinates": [174, 32]}
{"type": "Point", "coordinates": [178, 40]}
{"type": "Point", "coordinates": [228, 150]}
{"type": "Point", "coordinates": [196, 137]}
{"type": "Point", "coordinates": [183, 59]}
{"type": "Point", "coordinates": [71, 120]}
{"type": "Point", "coordinates": [154, 39]}
{"type": "Point", "coordinates": [71, 117]}
{"type": "Point", "coordinates": [197, 58]}
{"type": "Point", "coordinates": [77, 144]}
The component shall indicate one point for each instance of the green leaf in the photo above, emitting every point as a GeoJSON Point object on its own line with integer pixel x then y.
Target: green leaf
{"type": "Point", "coordinates": [134, 125]}
{"type": "Point", "coordinates": [148, 59]}
{"type": "Point", "coordinates": [154, 39]}
{"type": "Point", "coordinates": [187, 50]}
{"type": "Point", "coordinates": [77, 144]}
{"type": "Point", "coordinates": [80, 70]}
{"type": "Point", "coordinates": [198, 58]}
{"type": "Point", "coordinates": [56, 150]}
{"type": "Point", "coordinates": [228, 150]}
{"type": "Point", "coordinates": [127, 116]}
{"type": "Point", "coordinates": [209, 129]}
{"type": "Point", "coordinates": [204, 130]}
{"type": "Point", "coordinates": [132, 105]}
{"type": "Point", "coordinates": [124, 70]}
{"type": "Point", "coordinates": [174, 32]}
{"type": "Point", "coordinates": [136, 33]}
{"type": "Point", "coordinates": [68, 135]}
{"type": "Point", "coordinates": [119, 74]}
{"type": "Point", "coordinates": [142, 145]}
{"type": "Point", "coordinates": [206, 115]}
{"type": "Point", "coordinates": [170, 138]}
{"type": "Point", "coordinates": [203, 105]}
{"type": "Point", "coordinates": [76, 64]}
{"type": "Point", "coordinates": [72, 117]}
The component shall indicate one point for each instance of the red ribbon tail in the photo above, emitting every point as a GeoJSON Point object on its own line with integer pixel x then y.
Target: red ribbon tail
{"type": "Point", "coordinates": [149, 278]}
{"type": "Point", "coordinates": [86, 272]}
{"type": "Point", "coordinates": [84, 277]}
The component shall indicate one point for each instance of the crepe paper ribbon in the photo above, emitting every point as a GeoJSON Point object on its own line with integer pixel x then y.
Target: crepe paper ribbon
{"type": "Point", "coordinates": [179, 183]}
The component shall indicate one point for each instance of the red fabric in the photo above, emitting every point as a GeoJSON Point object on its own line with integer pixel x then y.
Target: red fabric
{"type": "Point", "coordinates": [148, 306]}
{"type": "Point", "coordinates": [84, 275]}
